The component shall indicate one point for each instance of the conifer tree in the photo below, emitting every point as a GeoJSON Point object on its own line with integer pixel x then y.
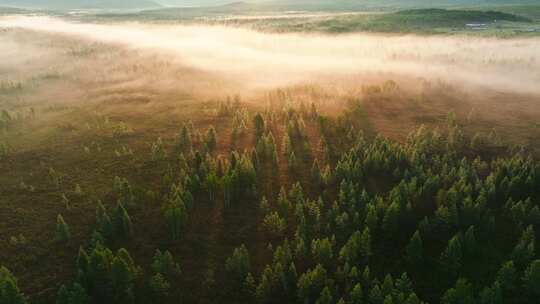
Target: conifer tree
{"type": "Point", "coordinates": [183, 140]}
{"type": "Point", "coordinates": [531, 279]}
{"type": "Point", "coordinates": [365, 243]}
{"type": "Point", "coordinates": [62, 229]}
{"type": "Point", "coordinates": [491, 295]}
{"type": "Point", "coordinates": [211, 139]}
{"type": "Point", "coordinates": [239, 263]}
{"type": "Point", "coordinates": [175, 216]}
{"type": "Point", "coordinates": [507, 276]}
{"type": "Point", "coordinates": [122, 222]}
{"type": "Point", "coordinates": [74, 294]}
{"type": "Point", "coordinates": [122, 281]}
{"type": "Point", "coordinates": [325, 297]}
{"type": "Point", "coordinates": [286, 146]}
{"type": "Point", "coordinates": [164, 263]}
{"type": "Point", "coordinates": [321, 249]}
{"type": "Point", "coordinates": [9, 289]}
{"type": "Point", "coordinates": [249, 287]}
{"type": "Point", "coordinates": [452, 255]}
{"type": "Point", "coordinates": [258, 124]}
{"type": "Point", "coordinates": [415, 250]}
{"type": "Point", "coordinates": [525, 248]}
{"type": "Point", "coordinates": [357, 294]}
{"type": "Point", "coordinates": [103, 221]}
{"type": "Point", "coordinates": [274, 224]}
{"type": "Point", "coordinates": [159, 286]}
{"type": "Point", "coordinates": [462, 293]}
{"type": "Point", "coordinates": [375, 295]}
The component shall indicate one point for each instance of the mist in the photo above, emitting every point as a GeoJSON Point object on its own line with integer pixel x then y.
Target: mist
{"type": "Point", "coordinates": [268, 60]}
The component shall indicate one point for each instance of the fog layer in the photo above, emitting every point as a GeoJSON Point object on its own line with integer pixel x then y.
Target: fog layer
{"type": "Point", "coordinates": [261, 59]}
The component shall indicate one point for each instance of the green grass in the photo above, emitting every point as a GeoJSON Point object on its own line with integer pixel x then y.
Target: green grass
{"type": "Point", "coordinates": [502, 20]}
{"type": "Point", "coordinates": [423, 21]}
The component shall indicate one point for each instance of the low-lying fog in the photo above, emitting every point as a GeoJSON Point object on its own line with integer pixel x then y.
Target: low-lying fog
{"type": "Point", "coordinates": [261, 59]}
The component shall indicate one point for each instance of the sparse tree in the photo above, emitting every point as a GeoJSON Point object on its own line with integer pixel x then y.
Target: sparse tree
{"type": "Point", "coordinates": [62, 229]}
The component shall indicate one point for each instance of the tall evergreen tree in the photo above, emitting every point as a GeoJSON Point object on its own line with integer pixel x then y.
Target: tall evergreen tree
{"type": "Point", "coordinates": [258, 124]}
{"type": "Point", "coordinates": [74, 294]}
{"type": "Point", "coordinates": [239, 263]}
{"type": "Point", "coordinates": [531, 279]}
{"type": "Point", "coordinates": [415, 249]}
{"type": "Point", "coordinates": [62, 229]}
{"type": "Point", "coordinates": [211, 139]}
{"type": "Point", "coordinates": [122, 222]}
{"type": "Point", "coordinates": [9, 289]}
{"type": "Point", "coordinates": [507, 276]}
{"type": "Point", "coordinates": [462, 293]}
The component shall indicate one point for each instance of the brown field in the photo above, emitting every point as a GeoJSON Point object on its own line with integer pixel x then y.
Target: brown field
{"type": "Point", "coordinates": [91, 98]}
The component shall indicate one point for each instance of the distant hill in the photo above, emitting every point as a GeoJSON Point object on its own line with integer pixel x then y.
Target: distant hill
{"type": "Point", "coordinates": [351, 4]}
{"type": "Point", "coordinates": [80, 4]}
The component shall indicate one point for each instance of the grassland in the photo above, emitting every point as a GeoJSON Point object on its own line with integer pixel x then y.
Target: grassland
{"type": "Point", "coordinates": [484, 21]}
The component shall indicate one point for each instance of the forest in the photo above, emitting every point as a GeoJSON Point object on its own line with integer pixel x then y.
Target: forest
{"type": "Point", "coordinates": [279, 169]}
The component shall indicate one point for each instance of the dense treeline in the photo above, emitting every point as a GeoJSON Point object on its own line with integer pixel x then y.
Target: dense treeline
{"type": "Point", "coordinates": [439, 218]}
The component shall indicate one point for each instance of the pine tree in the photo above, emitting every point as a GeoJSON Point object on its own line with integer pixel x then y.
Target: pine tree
{"type": "Point", "coordinates": [311, 283]}
{"type": "Point", "coordinates": [286, 146]}
{"type": "Point", "coordinates": [391, 218]}
{"type": "Point", "coordinates": [264, 206]}
{"type": "Point", "coordinates": [375, 295]}
{"type": "Point", "coordinates": [524, 250]}
{"type": "Point", "coordinates": [211, 139]}
{"type": "Point", "coordinates": [291, 159]}
{"type": "Point", "coordinates": [507, 276]}
{"type": "Point", "coordinates": [412, 299]}
{"type": "Point", "coordinates": [357, 294]}
{"type": "Point", "coordinates": [452, 255]}
{"type": "Point", "coordinates": [122, 222]}
{"type": "Point", "coordinates": [164, 263]}
{"type": "Point", "coordinates": [62, 229]}
{"type": "Point", "coordinates": [316, 174]}
{"type": "Point", "coordinates": [462, 293]}
{"type": "Point", "coordinates": [274, 224]}
{"type": "Point", "coordinates": [325, 297]}
{"type": "Point", "coordinates": [82, 260]}
{"type": "Point", "coordinates": [158, 150]}
{"type": "Point", "coordinates": [388, 285]}
{"type": "Point", "coordinates": [371, 217]}
{"type": "Point", "coordinates": [322, 251]}
{"type": "Point", "coordinates": [175, 216]}
{"type": "Point", "coordinates": [531, 279]}
{"type": "Point", "coordinates": [239, 263]}
{"type": "Point", "coordinates": [491, 295]}
{"type": "Point", "coordinates": [103, 221]}
{"type": "Point", "coordinates": [74, 294]}
{"type": "Point", "coordinates": [249, 287]}
{"type": "Point", "coordinates": [159, 286]}
{"type": "Point", "coordinates": [415, 249]}
{"type": "Point", "coordinates": [122, 281]}
{"type": "Point", "coordinates": [183, 140]}
{"type": "Point", "coordinates": [9, 290]}
{"type": "Point", "coordinates": [258, 124]}
{"type": "Point", "coordinates": [469, 242]}
{"type": "Point", "coordinates": [365, 243]}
